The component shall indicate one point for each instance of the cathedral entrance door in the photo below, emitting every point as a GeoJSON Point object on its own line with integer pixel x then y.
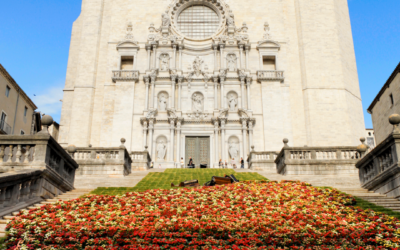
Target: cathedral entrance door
{"type": "Point", "coordinates": [199, 149]}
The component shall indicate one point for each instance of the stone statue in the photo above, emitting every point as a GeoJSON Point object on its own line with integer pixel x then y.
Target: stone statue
{"type": "Point", "coordinates": [197, 103]}
{"type": "Point", "coordinates": [230, 21]}
{"type": "Point", "coordinates": [197, 64]}
{"type": "Point", "coordinates": [161, 150]}
{"type": "Point", "coordinates": [165, 20]}
{"type": "Point", "coordinates": [267, 34]}
{"type": "Point", "coordinates": [231, 58]}
{"type": "Point", "coordinates": [164, 60]}
{"type": "Point", "coordinates": [233, 150]}
{"type": "Point", "coordinates": [232, 102]}
{"type": "Point", "coordinates": [162, 103]}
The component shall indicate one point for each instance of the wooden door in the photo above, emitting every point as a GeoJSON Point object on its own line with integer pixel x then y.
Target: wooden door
{"type": "Point", "coordinates": [199, 149]}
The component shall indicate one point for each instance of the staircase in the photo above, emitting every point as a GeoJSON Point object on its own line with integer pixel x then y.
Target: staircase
{"type": "Point", "coordinates": [74, 194]}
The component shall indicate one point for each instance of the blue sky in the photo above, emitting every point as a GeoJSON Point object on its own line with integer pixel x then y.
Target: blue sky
{"type": "Point", "coordinates": [35, 36]}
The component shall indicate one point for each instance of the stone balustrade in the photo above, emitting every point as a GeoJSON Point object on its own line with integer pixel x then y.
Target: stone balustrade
{"type": "Point", "coordinates": [263, 75]}
{"type": "Point", "coordinates": [125, 75]}
{"type": "Point", "coordinates": [263, 160]}
{"type": "Point", "coordinates": [141, 160]}
{"type": "Point", "coordinates": [317, 160]}
{"type": "Point", "coordinates": [112, 161]}
{"type": "Point", "coordinates": [33, 168]}
{"type": "Point", "coordinates": [379, 170]}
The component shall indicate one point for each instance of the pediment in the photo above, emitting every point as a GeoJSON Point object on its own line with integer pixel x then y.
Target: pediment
{"type": "Point", "coordinates": [268, 44]}
{"type": "Point", "coordinates": [128, 45]}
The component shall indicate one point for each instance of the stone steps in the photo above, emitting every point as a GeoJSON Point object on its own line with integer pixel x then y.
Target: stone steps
{"type": "Point", "coordinates": [74, 194]}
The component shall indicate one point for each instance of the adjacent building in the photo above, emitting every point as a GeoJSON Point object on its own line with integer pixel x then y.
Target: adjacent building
{"type": "Point", "coordinates": [210, 79]}
{"type": "Point", "coordinates": [370, 138]}
{"type": "Point", "coordinates": [386, 103]}
{"type": "Point", "coordinates": [17, 109]}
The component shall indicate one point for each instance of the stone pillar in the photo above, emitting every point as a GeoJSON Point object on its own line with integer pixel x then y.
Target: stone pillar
{"type": "Point", "coordinates": [145, 129]}
{"type": "Point", "coordinates": [148, 49]}
{"type": "Point", "coordinates": [216, 129]}
{"type": "Point", "coordinates": [172, 139]}
{"type": "Point", "coordinates": [223, 153]}
{"type": "Point", "coordinates": [241, 55]}
{"type": "Point", "coordinates": [154, 56]}
{"type": "Point", "coordinates": [180, 81]}
{"type": "Point", "coordinates": [251, 124]}
{"type": "Point", "coordinates": [151, 130]}
{"type": "Point", "coordinates": [223, 103]}
{"type": "Point", "coordinates": [248, 80]}
{"type": "Point", "coordinates": [215, 47]}
{"type": "Point", "coordinates": [242, 79]}
{"type": "Point", "coordinates": [221, 48]}
{"type": "Point", "coordinates": [153, 86]}
{"type": "Point", "coordinates": [178, 141]}
{"type": "Point", "coordinates": [173, 83]}
{"type": "Point", "coordinates": [247, 48]}
{"type": "Point", "coordinates": [174, 48]}
{"type": "Point", "coordinates": [147, 85]}
{"type": "Point", "coordinates": [244, 134]}
{"type": "Point", "coordinates": [180, 56]}
{"type": "Point", "coordinates": [215, 93]}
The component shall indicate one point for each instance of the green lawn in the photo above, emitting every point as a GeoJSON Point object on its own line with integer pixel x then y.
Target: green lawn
{"type": "Point", "coordinates": [368, 205]}
{"type": "Point", "coordinates": [176, 176]}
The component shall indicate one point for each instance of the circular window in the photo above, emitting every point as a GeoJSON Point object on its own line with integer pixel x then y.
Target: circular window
{"type": "Point", "coordinates": [198, 22]}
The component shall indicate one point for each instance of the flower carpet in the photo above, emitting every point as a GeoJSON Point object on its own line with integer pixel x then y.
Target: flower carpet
{"type": "Point", "coordinates": [245, 215]}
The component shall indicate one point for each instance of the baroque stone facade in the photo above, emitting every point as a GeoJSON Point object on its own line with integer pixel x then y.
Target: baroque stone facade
{"type": "Point", "coordinates": [240, 73]}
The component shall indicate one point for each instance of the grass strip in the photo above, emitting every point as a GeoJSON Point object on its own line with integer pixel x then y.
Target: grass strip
{"type": "Point", "coordinates": [363, 204]}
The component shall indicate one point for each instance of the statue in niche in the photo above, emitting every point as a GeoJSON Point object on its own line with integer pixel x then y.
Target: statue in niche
{"type": "Point", "coordinates": [197, 64]}
{"type": "Point", "coordinates": [162, 103]}
{"type": "Point", "coordinates": [233, 150]}
{"type": "Point", "coordinates": [267, 34]}
{"type": "Point", "coordinates": [197, 103]}
{"type": "Point", "coordinates": [164, 61]}
{"type": "Point", "coordinates": [231, 58]}
{"type": "Point", "coordinates": [232, 102]}
{"type": "Point", "coordinates": [230, 20]}
{"type": "Point", "coordinates": [166, 21]}
{"type": "Point", "coordinates": [161, 150]}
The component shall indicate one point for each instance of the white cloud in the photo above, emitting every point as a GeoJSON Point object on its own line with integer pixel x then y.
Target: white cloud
{"type": "Point", "coordinates": [49, 102]}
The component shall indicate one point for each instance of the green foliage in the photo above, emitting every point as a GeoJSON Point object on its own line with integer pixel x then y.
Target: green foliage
{"type": "Point", "coordinates": [363, 204]}
{"type": "Point", "coordinates": [163, 180]}
{"type": "Point", "coordinates": [2, 243]}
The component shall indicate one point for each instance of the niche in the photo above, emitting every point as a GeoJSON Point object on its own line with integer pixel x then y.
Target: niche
{"type": "Point", "coordinates": [269, 63]}
{"type": "Point", "coordinates": [127, 63]}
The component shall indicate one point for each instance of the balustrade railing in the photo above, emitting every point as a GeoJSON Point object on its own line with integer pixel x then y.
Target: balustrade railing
{"type": "Point", "coordinates": [125, 75]}
{"type": "Point", "coordinates": [140, 159]}
{"type": "Point", "coordinates": [270, 75]}
{"type": "Point", "coordinates": [262, 160]}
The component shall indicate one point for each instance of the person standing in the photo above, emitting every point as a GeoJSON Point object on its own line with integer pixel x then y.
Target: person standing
{"type": "Point", "coordinates": [233, 163]}
{"type": "Point", "coordinates": [182, 163]}
{"type": "Point", "coordinates": [242, 163]}
{"type": "Point", "coordinates": [226, 164]}
{"type": "Point", "coordinates": [191, 164]}
{"type": "Point", "coordinates": [220, 164]}
{"type": "Point", "coordinates": [152, 165]}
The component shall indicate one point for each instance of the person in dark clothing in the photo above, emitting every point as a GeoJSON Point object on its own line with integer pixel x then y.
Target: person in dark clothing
{"type": "Point", "coordinates": [242, 163]}
{"type": "Point", "coordinates": [191, 164]}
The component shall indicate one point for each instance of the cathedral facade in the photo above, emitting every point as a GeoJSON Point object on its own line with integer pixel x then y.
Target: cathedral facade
{"type": "Point", "coordinates": [210, 79]}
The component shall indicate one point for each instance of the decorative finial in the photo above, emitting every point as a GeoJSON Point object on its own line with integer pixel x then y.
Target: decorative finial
{"type": "Point", "coordinates": [362, 148]}
{"type": "Point", "coordinates": [145, 148]}
{"type": "Point", "coordinates": [395, 121]}
{"type": "Point", "coordinates": [47, 121]}
{"type": "Point", "coordinates": [285, 142]}
{"type": "Point", "coordinates": [252, 148]}
{"type": "Point", "coordinates": [123, 142]}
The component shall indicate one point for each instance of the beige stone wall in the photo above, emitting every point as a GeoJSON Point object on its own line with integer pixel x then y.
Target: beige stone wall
{"type": "Point", "coordinates": [318, 104]}
{"type": "Point", "coordinates": [384, 108]}
{"type": "Point", "coordinates": [8, 105]}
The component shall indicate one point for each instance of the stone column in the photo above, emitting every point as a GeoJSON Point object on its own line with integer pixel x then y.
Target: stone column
{"type": "Point", "coordinates": [154, 56]}
{"type": "Point", "coordinates": [173, 83]}
{"type": "Point", "coordinates": [178, 140]}
{"type": "Point", "coordinates": [241, 55]}
{"type": "Point", "coordinates": [180, 56]}
{"type": "Point", "coordinates": [174, 48]}
{"type": "Point", "coordinates": [242, 80]}
{"type": "Point", "coordinates": [215, 47]}
{"type": "Point", "coordinates": [247, 48]}
{"type": "Point", "coordinates": [147, 85]}
{"type": "Point", "coordinates": [145, 129]}
{"type": "Point", "coordinates": [172, 139]}
{"type": "Point", "coordinates": [221, 48]}
{"type": "Point", "coordinates": [153, 86]}
{"type": "Point", "coordinates": [251, 124]}
{"type": "Point", "coordinates": [223, 103]}
{"type": "Point", "coordinates": [151, 130]}
{"type": "Point", "coordinates": [180, 81]}
{"type": "Point", "coordinates": [216, 129]}
{"type": "Point", "coordinates": [223, 153]}
{"type": "Point", "coordinates": [248, 80]}
{"type": "Point", "coordinates": [215, 93]}
{"type": "Point", "coordinates": [244, 134]}
{"type": "Point", "coordinates": [148, 49]}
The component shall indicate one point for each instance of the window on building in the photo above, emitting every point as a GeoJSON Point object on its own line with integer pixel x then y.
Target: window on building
{"type": "Point", "coordinates": [25, 111]}
{"type": "Point", "coordinates": [269, 63]}
{"type": "Point", "coordinates": [127, 63]}
{"type": "Point", "coordinates": [391, 100]}
{"type": "Point", "coordinates": [3, 120]}
{"type": "Point", "coordinates": [8, 89]}
{"type": "Point", "coordinates": [198, 22]}
{"type": "Point", "coordinates": [22, 132]}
